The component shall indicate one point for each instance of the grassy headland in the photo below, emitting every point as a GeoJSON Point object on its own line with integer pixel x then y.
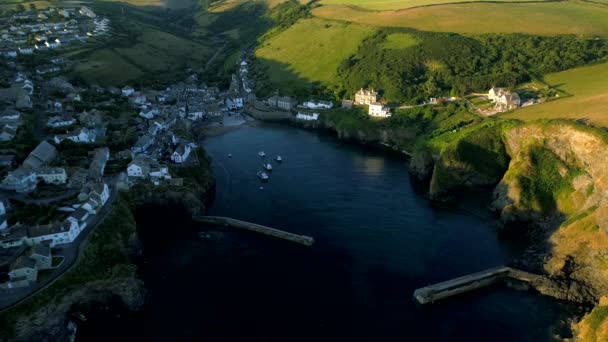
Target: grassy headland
{"type": "Point", "coordinates": [588, 100]}
{"type": "Point", "coordinates": [544, 18]}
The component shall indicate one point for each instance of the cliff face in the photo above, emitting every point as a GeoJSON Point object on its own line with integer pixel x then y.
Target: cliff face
{"type": "Point", "coordinates": [552, 176]}
{"type": "Point", "coordinates": [558, 179]}
{"type": "Point", "coordinates": [50, 323]}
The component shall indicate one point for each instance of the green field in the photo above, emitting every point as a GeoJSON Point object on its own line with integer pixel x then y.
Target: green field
{"type": "Point", "coordinates": [382, 5]}
{"type": "Point", "coordinates": [138, 53]}
{"type": "Point", "coordinates": [310, 51]}
{"type": "Point", "coordinates": [589, 89]}
{"type": "Point", "coordinates": [548, 18]}
{"type": "Point", "coordinates": [400, 41]}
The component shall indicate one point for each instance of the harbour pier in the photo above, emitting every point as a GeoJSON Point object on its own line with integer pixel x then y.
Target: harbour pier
{"type": "Point", "coordinates": [257, 228]}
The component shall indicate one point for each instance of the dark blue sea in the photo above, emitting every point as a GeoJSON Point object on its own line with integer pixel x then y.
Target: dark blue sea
{"type": "Point", "coordinates": [377, 240]}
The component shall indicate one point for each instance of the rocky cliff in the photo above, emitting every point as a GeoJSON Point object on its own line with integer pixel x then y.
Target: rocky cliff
{"type": "Point", "coordinates": [557, 179]}
{"type": "Point", "coordinates": [50, 322]}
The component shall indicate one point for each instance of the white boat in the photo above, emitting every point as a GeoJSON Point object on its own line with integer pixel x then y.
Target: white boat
{"type": "Point", "coordinates": [267, 166]}
{"type": "Point", "coordinates": [229, 155]}
{"type": "Point", "coordinates": [263, 176]}
{"type": "Point", "coordinates": [278, 159]}
{"type": "Point", "coordinates": [262, 154]}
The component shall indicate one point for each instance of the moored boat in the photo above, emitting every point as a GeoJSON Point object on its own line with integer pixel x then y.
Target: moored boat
{"type": "Point", "coordinates": [278, 159]}
{"type": "Point", "coordinates": [262, 154]}
{"type": "Point", "coordinates": [263, 176]}
{"type": "Point", "coordinates": [267, 166]}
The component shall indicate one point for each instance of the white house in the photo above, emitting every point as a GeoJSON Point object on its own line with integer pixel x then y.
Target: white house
{"type": "Point", "coordinates": [139, 168]}
{"type": "Point", "coordinates": [149, 113]}
{"type": "Point", "coordinates": [52, 175]}
{"type": "Point", "coordinates": [60, 121]}
{"type": "Point", "coordinates": [26, 50]}
{"type": "Point", "coordinates": [313, 104]}
{"type": "Point", "coordinates": [20, 180]}
{"type": "Point", "coordinates": [83, 135]}
{"type": "Point", "coordinates": [181, 153]}
{"type": "Point", "coordinates": [379, 110]}
{"type": "Point", "coordinates": [54, 234]}
{"type": "Point", "coordinates": [307, 116]}
{"type": "Point", "coordinates": [127, 91]}
{"type": "Point", "coordinates": [504, 99]}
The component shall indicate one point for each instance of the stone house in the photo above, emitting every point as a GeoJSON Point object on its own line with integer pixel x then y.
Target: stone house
{"type": "Point", "coordinates": [22, 272]}
{"type": "Point", "coordinates": [41, 254]}
{"type": "Point", "coordinates": [52, 175]}
{"type": "Point", "coordinates": [42, 155]}
{"type": "Point", "coordinates": [504, 99]}
{"type": "Point", "coordinates": [181, 153]}
{"type": "Point", "coordinates": [21, 180]}
{"type": "Point", "coordinates": [366, 96]}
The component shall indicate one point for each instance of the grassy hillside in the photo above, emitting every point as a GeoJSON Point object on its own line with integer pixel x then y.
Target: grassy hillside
{"type": "Point", "coordinates": [309, 51]}
{"type": "Point", "coordinates": [136, 53]}
{"type": "Point", "coordinates": [534, 18]}
{"type": "Point", "coordinates": [589, 89]}
{"type": "Point", "coordinates": [396, 4]}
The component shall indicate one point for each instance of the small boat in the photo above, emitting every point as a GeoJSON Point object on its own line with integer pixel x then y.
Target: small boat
{"type": "Point", "coordinates": [262, 154]}
{"type": "Point", "coordinates": [278, 159]}
{"type": "Point", "coordinates": [267, 166]}
{"type": "Point", "coordinates": [263, 176]}
{"type": "Point", "coordinates": [229, 155]}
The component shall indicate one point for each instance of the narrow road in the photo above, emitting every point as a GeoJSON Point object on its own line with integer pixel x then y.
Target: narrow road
{"type": "Point", "coordinates": [72, 254]}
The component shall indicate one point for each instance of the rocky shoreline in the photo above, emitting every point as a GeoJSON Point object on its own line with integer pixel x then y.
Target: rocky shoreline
{"type": "Point", "coordinates": [537, 229]}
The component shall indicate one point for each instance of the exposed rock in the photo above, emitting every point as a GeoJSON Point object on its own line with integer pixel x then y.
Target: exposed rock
{"type": "Point", "coordinates": [50, 323]}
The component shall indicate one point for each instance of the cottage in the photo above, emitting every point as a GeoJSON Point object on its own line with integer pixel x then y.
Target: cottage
{"type": "Point", "coordinates": [21, 180]}
{"type": "Point", "coordinates": [22, 272]}
{"type": "Point", "coordinates": [379, 110]}
{"type": "Point", "coordinates": [41, 255]}
{"type": "Point", "coordinates": [42, 155]}
{"type": "Point", "coordinates": [139, 167]}
{"type": "Point", "coordinates": [96, 195]}
{"type": "Point", "coordinates": [98, 165]}
{"type": "Point", "coordinates": [143, 143]}
{"type": "Point", "coordinates": [286, 103]}
{"type": "Point", "coordinates": [52, 175]}
{"type": "Point", "coordinates": [365, 96]}
{"type": "Point", "coordinates": [504, 99]}
{"type": "Point", "coordinates": [79, 136]}
{"type": "Point", "coordinates": [347, 104]}
{"type": "Point", "coordinates": [307, 116]}
{"type": "Point", "coordinates": [13, 237]}
{"type": "Point", "coordinates": [127, 91]}
{"type": "Point", "coordinates": [313, 104]}
{"type": "Point", "coordinates": [181, 153]}
{"type": "Point", "coordinates": [10, 115]}
{"type": "Point", "coordinates": [80, 215]}
{"type": "Point", "coordinates": [8, 133]}
{"type": "Point", "coordinates": [54, 234]}
{"type": "Point", "coordinates": [59, 121]}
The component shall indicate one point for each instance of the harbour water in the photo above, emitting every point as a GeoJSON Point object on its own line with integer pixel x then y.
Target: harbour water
{"type": "Point", "coordinates": [376, 240]}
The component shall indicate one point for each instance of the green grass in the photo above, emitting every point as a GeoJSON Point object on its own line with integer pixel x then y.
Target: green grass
{"type": "Point", "coordinates": [107, 67]}
{"type": "Point", "coordinates": [588, 87]}
{"type": "Point", "coordinates": [396, 4]}
{"type": "Point", "coordinates": [546, 180]}
{"type": "Point", "coordinates": [399, 41]}
{"type": "Point", "coordinates": [138, 53]}
{"type": "Point", "coordinates": [310, 51]}
{"type": "Point", "coordinates": [594, 320]}
{"type": "Point", "coordinates": [547, 18]}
